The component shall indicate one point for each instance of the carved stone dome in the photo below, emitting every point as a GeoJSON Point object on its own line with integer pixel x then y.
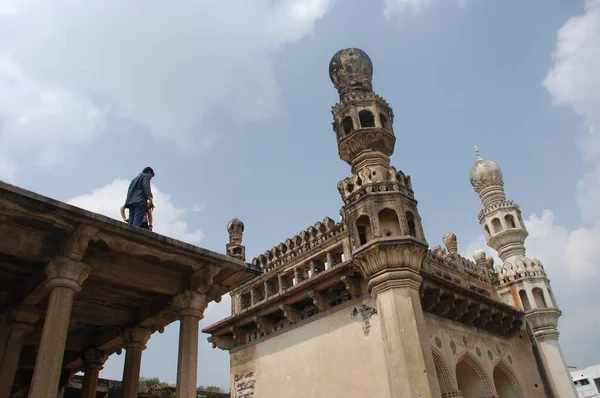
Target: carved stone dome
{"type": "Point", "coordinates": [235, 224]}
{"type": "Point", "coordinates": [485, 173]}
{"type": "Point", "coordinates": [351, 70]}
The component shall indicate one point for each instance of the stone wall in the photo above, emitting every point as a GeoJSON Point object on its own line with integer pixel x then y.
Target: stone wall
{"type": "Point", "coordinates": [453, 342]}
{"type": "Point", "coordinates": [338, 354]}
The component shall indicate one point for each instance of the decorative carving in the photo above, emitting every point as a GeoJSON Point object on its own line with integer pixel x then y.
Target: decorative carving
{"type": "Point", "coordinates": [351, 70]}
{"type": "Point", "coordinates": [263, 324]}
{"type": "Point", "coordinates": [244, 385]}
{"type": "Point", "coordinates": [290, 313]}
{"type": "Point", "coordinates": [364, 139]}
{"type": "Point", "coordinates": [136, 337]}
{"type": "Point", "coordinates": [202, 280]}
{"type": "Point", "coordinates": [319, 300]}
{"type": "Point", "coordinates": [190, 303]}
{"type": "Point", "coordinates": [352, 285]}
{"type": "Point", "coordinates": [77, 243]}
{"type": "Point", "coordinates": [364, 312]}
{"type": "Point", "coordinates": [450, 242]}
{"type": "Point", "coordinates": [406, 253]}
{"type": "Point", "coordinates": [236, 232]}
{"type": "Point", "coordinates": [94, 358]}
{"type": "Point", "coordinates": [67, 272]}
{"type": "Point", "coordinates": [222, 342]}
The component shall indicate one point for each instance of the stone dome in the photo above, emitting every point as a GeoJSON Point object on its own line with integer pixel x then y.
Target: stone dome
{"type": "Point", "coordinates": [351, 69]}
{"type": "Point", "coordinates": [485, 173]}
{"type": "Point", "coordinates": [235, 224]}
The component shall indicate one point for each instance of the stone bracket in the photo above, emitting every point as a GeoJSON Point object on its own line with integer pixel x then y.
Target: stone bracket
{"type": "Point", "coordinates": [352, 285]}
{"type": "Point", "coordinates": [190, 303]}
{"type": "Point", "coordinates": [222, 342]}
{"type": "Point", "coordinates": [239, 335]}
{"type": "Point", "coordinates": [319, 300]}
{"type": "Point", "coordinates": [94, 358]}
{"type": "Point", "coordinates": [290, 313]}
{"type": "Point", "coordinates": [136, 337]}
{"type": "Point", "coordinates": [203, 279]}
{"type": "Point", "coordinates": [263, 324]}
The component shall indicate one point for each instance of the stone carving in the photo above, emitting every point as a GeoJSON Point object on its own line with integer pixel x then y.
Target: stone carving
{"type": "Point", "coordinates": [517, 268]}
{"type": "Point", "coordinates": [244, 385]}
{"type": "Point", "coordinates": [308, 239]}
{"type": "Point", "coordinates": [451, 243]}
{"type": "Point", "coordinates": [236, 233]}
{"type": "Point", "coordinates": [351, 70]}
{"type": "Point", "coordinates": [352, 188]}
{"type": "Point", "coordinates": [364, 313]}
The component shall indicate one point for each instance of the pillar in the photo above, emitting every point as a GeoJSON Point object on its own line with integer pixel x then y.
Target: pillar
{"type": "Point", "coordinates": [65, 377]}
{"type": "Point", "coordinates": [22, 321]}
{"type": "Point", "coordinates": [134, 341]}
{"type": "Point", "coordinates": [190, 306]}
{"type": "Point", "coordinates": [93, 361]}
{"type": "Point", "coordinates": [394, 280]}
{"type": "Point", "coordinates": [544, 323]}
{"type": "Point", "coordinates": [65, 277]}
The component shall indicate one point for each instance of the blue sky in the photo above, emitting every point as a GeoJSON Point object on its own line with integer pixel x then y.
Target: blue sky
{"type": "Point", "coordinates": [231, 107]}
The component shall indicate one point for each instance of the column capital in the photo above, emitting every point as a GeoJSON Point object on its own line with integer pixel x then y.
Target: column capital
{"type": "Point", "coordinates": [66, 272]}
{"type": "Point", "coordinates": [400, 277]}
{"type": "Point", "coordinates": [136, 337]}
{"type": "Point", "coordinates": [94, 358]}
{"type": "Point", "coordinates": [190, 303]}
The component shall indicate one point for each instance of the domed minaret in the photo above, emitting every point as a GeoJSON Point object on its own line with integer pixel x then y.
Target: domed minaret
{"type": "Point", "coordinates": [380, 211]}
{"type": "Point", "coordinates": [522, 281]}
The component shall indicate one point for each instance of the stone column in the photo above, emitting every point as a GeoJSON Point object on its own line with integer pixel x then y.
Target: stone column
{"type": "Point", "coordinates": [134, 341]}
{"type": "Point", "coordinates": [22, 321]}
{"type": "Point", "coordinates": [65, 377]}
{"type": "Point", "coordinates": [544, 323]}
{"type": "Point", "coordinates": [65, 277]}
{"type": "Point", "coordinates": [191, 306]}
{"type": "Point", "coordinates": [93, 360]}
{"type": "Point", "coordinates": [393, 272]}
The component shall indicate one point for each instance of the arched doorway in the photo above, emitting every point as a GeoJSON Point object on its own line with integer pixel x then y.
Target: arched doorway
{"type": "Point", "coordinates": [505, 382]}
{"type": "Point", "coordinates": [442, 373]}
{"type": "Point", "coordinates": [470, 379]}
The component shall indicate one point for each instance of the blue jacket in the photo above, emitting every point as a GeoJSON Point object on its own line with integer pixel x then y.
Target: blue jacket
{"type": "Point", "coordinates": [139, 190]}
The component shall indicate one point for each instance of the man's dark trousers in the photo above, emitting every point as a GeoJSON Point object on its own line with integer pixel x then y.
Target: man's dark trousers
{"type": "Point", "coordinates": [136, 213]}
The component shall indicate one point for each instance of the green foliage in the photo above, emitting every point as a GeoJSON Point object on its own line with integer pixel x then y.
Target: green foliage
{"type": "Point", "coordinates": [210, 388]}
{"type": "Point", "coordinates": [495, 279]}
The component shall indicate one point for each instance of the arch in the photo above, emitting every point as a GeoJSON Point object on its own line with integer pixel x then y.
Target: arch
{"type": "Point", "coordinates": [510, 221]}
{"type": "Point", "coordinates": [366, 118]}
{"type": "Point", "coordinates": [443, 373]}
{"type": "Point", "coordinates": [538, 297]}
{"type": "Point", "coordinates": [496, 225]}
{"type": "Point", "coordinates": [347, 125]}
{"type": "Point", "coordinates": [506, 382]}
{"type": "Point", "coordinates": [364, 230]}
{"type": "Point", "coordinates": [411, 224]}
{"type": "Point", "coordinates": [471, 378]}
{"type": "Point", "coordinates": [385, 123]}
{"type": "Point", "coordinates": [389, 222]}
{"type": "Point", "coordinates": [524, 300]}
{"type": "Point", "coordinates": [487, 231]}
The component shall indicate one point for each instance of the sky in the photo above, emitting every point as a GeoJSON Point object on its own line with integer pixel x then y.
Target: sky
{"type": "Point", "coordinates": [229, 102]}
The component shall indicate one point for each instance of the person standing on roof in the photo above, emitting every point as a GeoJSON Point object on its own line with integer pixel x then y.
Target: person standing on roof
{"type": "Point", "coordinates": [139, 197]}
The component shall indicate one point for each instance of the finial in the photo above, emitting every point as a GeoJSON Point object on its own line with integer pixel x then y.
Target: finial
{"type": "Point", "coordinates": [477, 152]}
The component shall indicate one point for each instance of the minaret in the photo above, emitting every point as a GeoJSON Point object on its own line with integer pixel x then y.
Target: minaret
{"type": "Point", "coordinates": [522, 281]}
{"type": "Point", "coordinates": [236, 232]}
{"type": "Point", "coordinates": [380, 211]}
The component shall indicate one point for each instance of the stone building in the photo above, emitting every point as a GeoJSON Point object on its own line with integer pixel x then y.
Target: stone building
{"type": "Point", "coordinates": [363, 307]}
{"type": "Point", "coordinates": [77, 287]}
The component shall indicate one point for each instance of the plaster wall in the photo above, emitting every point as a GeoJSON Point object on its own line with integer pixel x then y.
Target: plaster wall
{"type": "Point", "coordinates": [338, 354]}
{"type": "Point", "coordinates": [451, 342]}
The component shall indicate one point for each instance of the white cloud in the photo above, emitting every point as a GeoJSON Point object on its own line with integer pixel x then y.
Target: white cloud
{"type": "Point", "coordinates": [411, 6]}
{"type": "Point", "coordinates": [168, 218]}
{"type": "Point", "coordinates": [164, 67]}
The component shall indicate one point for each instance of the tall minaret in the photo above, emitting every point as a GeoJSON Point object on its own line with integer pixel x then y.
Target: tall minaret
{"type": "Point", "coordinates": [522, 281]}
{"type": "Point", "coordinates": [381, 214]}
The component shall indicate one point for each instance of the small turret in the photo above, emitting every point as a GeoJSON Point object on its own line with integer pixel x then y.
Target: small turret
{"type": "Point", "coordinates": [236, 232]}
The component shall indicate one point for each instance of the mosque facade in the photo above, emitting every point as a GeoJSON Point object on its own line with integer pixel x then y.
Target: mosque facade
{"type": "Point", "coordinates": [364, 307]}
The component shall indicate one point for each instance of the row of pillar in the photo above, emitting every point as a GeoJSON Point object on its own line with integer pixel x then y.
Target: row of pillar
{"type": "Point", "coordinates": [65, 277]}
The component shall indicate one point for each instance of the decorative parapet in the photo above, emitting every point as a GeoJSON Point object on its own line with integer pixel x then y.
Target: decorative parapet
{"type": "Point", "coordinates": [352, 188]}
{"type": "Point", "coordinates": [504, 204]}
{"type": "Point", "coordinates": [517, 268]}
{"type": "Point", "coordinates": [457, 269]}
{"type": "Point", "coordinates": [311, 238]}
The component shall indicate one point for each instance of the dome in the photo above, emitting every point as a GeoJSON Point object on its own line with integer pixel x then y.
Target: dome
{"type": "Point", "coordinates": [235, 224]}
{"type": "Point", "coordinates": [485, 173]}
{"type": "Point", "coordinates": [350, 70]}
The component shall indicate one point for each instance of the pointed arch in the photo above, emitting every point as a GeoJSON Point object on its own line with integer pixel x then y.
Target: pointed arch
{"type": "Point", "coordinates": [467, 359]}
{"type": "Point", "coordinates": [443, 373]}
{"type": "Point", "coordinates": [508, 372]}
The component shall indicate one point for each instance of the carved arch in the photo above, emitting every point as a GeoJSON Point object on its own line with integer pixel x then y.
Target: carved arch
{"type": "Point", "coordinates": [509, 372]}
{"type": "Point", "coordinates": [479, 369]}
{"type": "Point", "coordinates": [443, 370]}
